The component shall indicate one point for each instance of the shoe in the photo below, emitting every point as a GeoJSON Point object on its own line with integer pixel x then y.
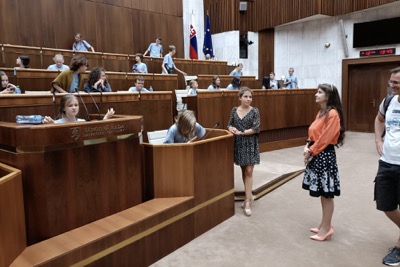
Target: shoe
{"type": "Point", "coordinates": [315, 230]}
{"type": "Point", "coordinates": [244, 202]}
{"type": "Point", "coordinates": [393, 258]}
{"type": "Point", "coordinates": [247, 211]}
{"type": "Point", "coordinates": [328, 235]}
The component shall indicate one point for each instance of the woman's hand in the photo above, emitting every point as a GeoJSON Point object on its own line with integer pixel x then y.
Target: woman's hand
{"type": "Point", "coordinates": [235, 131]}
{"type": "Point", "coordinates": [47, 120]}
{"type": "Point", "coordinates": [109, 114]}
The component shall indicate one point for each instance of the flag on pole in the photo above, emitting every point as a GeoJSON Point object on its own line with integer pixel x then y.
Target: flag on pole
{"type": "Point", "coordinates": [208, 47]}
{"type": "Point", "coordinates": [193, 41]}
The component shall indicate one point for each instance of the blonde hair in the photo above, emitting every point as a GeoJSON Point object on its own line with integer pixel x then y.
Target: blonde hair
{"type": "Point", "coordinates": [186, 123]}
{"type": "Point", "coordinates": [192, 82]}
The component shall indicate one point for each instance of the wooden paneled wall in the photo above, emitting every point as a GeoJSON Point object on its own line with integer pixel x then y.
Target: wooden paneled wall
{"type": "Point", "coordinates": [114, 26]}
{"type": "Point", "coordinates": [266, 53]}
{"type": "Point", "coordinates": [261, 15]}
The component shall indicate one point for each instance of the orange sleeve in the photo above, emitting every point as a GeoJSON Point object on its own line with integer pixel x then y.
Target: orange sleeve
{"type": "Point", "coordinates": [327, 132]}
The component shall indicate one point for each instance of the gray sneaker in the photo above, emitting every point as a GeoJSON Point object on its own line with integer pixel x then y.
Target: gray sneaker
{"type": "Point", "coordinates": [393, 258]}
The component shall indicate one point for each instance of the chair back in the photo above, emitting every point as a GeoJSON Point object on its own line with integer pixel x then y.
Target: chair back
{"type": "Point", "coordinates": [157, 137]}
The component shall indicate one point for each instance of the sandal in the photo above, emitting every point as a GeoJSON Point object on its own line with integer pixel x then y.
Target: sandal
{"type": "Point", "coordinates": [247, 211]}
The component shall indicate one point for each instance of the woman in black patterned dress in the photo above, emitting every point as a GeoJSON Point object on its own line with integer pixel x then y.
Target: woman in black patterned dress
{"type": "Point", "coordinates": [244, 123]}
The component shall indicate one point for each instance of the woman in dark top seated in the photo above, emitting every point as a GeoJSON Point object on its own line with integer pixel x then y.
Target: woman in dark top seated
{"type": "Point", "coordinates": [97, 81]}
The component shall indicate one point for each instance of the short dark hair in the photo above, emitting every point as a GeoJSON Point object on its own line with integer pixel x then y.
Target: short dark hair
{"type": "Point", "coordinates": [139, 78]}
{"type": "Point", "coordinates": [77, 61]}
{"type": "Point", "coordinates": [395, 70]}
{"type": "Point", "coordinates": [25, 60]}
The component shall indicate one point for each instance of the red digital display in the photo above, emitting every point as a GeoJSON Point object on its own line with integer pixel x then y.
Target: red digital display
{"type": "Point", "coordinates": [378, 52]}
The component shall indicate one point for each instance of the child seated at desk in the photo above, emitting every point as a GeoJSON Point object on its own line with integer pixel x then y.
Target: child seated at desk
{"type": "Point", "coordinates": [185, 130]}
{"type": "Point", "coordinates": [69, 109]}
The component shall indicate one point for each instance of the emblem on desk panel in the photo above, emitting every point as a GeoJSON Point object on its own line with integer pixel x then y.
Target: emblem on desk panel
{"type": "Point", "coordinates": [75, 133]}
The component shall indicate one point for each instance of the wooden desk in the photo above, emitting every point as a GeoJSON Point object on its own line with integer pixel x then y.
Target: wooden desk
{"type": "Point", "coordinates": [116, 62]}
{"type": "Point", "coordinates": [74, 173]}
{"type": "Point", "coordinates": [202, 169]}
{"type": "Point", "coordinates": [12, 52]}
{"type": "Point", "coordinates": [204, 81]}
{"type": "Point", "coordinates": [156, 108]}
{"type": "Point", "coordinates": [49, 53]}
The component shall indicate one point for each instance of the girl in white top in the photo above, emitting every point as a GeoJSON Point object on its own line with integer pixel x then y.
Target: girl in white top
{"type": "Point", "coordinates": [69, 109]}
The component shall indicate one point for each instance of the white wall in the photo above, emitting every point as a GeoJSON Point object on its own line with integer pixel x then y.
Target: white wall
{"type": "Point", "coordinates": [302, 45]}
{"type": "Point", "coordinates": [225, 45]}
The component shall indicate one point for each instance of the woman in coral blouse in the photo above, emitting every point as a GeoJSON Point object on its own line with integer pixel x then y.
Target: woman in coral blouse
{"type": "Point", "coordinates": [321, 176]}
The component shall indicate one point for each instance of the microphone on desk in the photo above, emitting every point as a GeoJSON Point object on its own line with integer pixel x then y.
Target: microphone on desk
{"type": "Point", "coordinates": [54, 103]}
{"type": "Point", "coordinates": [215, 126]}
{"type": "Point", "coordinates": [95, 104]}
{"type": "Point", "coordinates": [84, 105]}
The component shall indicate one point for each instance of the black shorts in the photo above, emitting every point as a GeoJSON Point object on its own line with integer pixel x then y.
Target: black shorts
{"type": "Point", "coordinates": [387, 187]}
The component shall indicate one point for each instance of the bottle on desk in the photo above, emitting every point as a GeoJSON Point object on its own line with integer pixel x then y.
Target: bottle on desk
{"type": "Point", "coordinates": [151, 88]}
{"type": "Point", "coordinates": [17, 90]}
{"type": "Point", "coordinates": [29, 119]}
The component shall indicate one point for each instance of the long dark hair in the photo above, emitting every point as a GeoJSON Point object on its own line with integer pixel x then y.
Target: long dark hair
{"type": "Point", "coordinates": [94, 76]}
{"type": "Point", "coordinates": [334, 103]}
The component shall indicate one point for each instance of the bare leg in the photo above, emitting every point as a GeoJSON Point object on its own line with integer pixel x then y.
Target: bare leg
{"type": "Point", "coordinates": [247, 176]}
{"type": "Point", "coordinates": [327, 205]}
{"type": "Point", "coordinates": [394, 216]}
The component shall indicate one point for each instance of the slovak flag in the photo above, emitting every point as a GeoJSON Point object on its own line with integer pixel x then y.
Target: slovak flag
{"type": "Point", "coordinates": [193, 41]}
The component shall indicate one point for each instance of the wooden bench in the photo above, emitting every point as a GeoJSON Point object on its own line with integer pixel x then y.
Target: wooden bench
{"type": "Point", "coordinates": [137, 236]}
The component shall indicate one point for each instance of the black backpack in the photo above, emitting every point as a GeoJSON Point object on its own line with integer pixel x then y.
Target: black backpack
{"type": "Point", "coordinates": [386, 104]}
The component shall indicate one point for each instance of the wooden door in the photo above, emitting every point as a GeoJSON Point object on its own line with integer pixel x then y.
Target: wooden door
{"type": "Point", "coordinates": [367, 87]}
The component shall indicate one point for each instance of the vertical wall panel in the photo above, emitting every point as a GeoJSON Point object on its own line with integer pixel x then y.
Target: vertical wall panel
{"type": "Point", "coordinates": [9, 22]}
{"type": "Point", "coordinates": [265, 53]}
{"type": "Point", "coordinates": [29, 15]}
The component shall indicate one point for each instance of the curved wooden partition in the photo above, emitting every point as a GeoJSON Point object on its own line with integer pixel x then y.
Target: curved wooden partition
{"type": "Point", "coordinates": [203, 169]}
{"type": "Point", "coordinates": [12, 219]}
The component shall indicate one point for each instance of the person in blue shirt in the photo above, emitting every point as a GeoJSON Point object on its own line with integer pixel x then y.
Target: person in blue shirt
{"type": "Point", "coordinates": [155, 49]}
{"type": "Point", "coordinates": [185, 130]}
{"type": "Point", "coordinates": [238, 71]}
{"type": "Point", "coordinates": [235, 84]}
{"type": "Point", "coordinates": [139, 66]}
{"type": "Point", "coordinates": [168, 65]}
{"type": "Point", "coordinates": [81, 45]}
{"type": "Point", "coordinates": [215, 83]}
{"type": "Point", "coordinates": [58, 63]}
{"type": "Point", "coordinates": [291, 81]}
{"type": "Point", "coordinates": [193, 87]}
{"type": "Point", "coordinates": [139, 85]}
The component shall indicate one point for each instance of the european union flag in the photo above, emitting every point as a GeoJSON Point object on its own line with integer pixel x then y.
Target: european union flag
{"type": "Point", "coordinates": [208, 47]}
